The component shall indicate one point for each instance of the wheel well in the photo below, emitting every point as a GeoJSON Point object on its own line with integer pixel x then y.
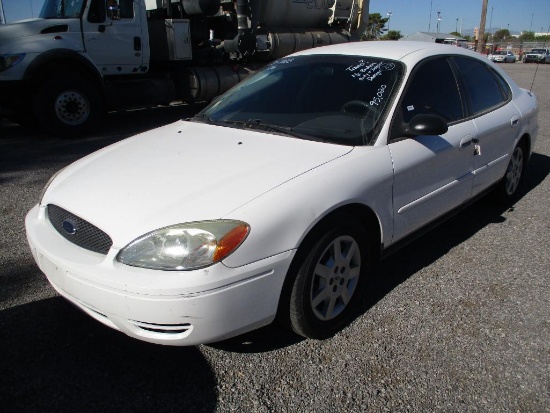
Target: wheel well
{"type": "Point", "coordinates": [58, 62]}
{"type": "Point", "coordinates": [525, 140]}
{"type": "Point", "coordinates": [371, 224]}
{"type": "Point", "coordinates": [64, 67]}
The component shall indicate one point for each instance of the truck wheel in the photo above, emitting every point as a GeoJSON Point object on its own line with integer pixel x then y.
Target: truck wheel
{"type": "Point", "coordinates": [68, 106]}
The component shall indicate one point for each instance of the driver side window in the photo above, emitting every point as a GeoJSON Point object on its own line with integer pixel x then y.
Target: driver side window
{"type": "Point", "coordinates": [96, 13]}
{"type": "Point", "coordinates": [126, 9]}
{"type": "Point", "coordinates": [432, 90]}
{"type": "Point", "coordinates": [98, 9]}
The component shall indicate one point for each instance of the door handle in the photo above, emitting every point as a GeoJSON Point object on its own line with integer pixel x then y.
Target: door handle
{"type": "Point", "coordinates": [514, 121]}
{"type": "Point", "coordinates": [466, 141]}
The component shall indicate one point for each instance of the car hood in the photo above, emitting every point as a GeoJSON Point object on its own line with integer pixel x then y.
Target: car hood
{"type": "Point", "coordinates": [182, 172]}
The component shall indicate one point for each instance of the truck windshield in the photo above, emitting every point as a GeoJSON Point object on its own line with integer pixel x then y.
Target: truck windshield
{"type": "Point", "coordinates": [62, 9]}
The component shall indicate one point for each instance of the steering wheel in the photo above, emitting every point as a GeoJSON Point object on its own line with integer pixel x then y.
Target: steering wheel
{"type": "Point", "coordinates": [362, 105]}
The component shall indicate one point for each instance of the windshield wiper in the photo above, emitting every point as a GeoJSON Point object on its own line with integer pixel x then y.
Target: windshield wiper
{"type": "Point", "coordinates": [258, 124]}
{"type": "Point", "coordinates": [203, 118]}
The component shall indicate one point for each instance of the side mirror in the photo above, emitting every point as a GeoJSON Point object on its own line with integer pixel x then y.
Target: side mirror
{"type": "Point", "coordinates": [427, 125]}
{"type": "Point", "coordinates": [113, 10]}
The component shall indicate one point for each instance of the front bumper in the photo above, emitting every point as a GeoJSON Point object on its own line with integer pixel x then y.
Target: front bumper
{"type": "Point", "coordinates": [536, 59]}
{"type": "Point", "coordinates": [14, 95]}
{"type": "Point", "coordinates": [171, 308]}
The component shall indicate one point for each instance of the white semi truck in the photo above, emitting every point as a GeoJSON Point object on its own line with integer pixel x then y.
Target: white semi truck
{"type": "Point", "coordinates": [81, 58]}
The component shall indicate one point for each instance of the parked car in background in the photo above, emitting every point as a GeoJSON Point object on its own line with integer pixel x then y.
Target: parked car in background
{"type": "Point", "coordinates": [277, 199]}
{"type": "Point", "coordinates": [537, 56]}
{"type": "Point", "coordinates": [502, 56]}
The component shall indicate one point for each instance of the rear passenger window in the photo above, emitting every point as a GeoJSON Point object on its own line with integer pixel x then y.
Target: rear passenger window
{"type": "Point", "coordinates": [432, 90]}
{"type": "Point", "coordinates": [484, 87]}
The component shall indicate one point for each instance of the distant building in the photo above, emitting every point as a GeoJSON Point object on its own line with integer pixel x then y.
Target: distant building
{"type": "Point", "coordinates": [435, 38]}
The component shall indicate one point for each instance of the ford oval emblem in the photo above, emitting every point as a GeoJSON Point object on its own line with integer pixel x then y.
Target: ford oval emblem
{"type": "Point", "coordinates": [69, 227]}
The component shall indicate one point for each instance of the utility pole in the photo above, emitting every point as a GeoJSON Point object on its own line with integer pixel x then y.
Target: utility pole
{"type": "Point", "coordinates": [2, 16]}
{"type": "Point", "coordinates": [430, 23]}
{"type": "Point", "coordinates": [491, 22]}
{"type": "Point", "coordinates": [481, 35]}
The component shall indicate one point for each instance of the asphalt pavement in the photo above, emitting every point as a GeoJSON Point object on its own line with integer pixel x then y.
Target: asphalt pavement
{"type": "Point", "coordinates": [459, 320]}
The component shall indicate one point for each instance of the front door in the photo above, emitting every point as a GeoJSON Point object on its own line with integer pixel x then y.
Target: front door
{"type": "Point", "coordinates": [116, 46]}
{"type": "Point", "coordinates": [432, 174]}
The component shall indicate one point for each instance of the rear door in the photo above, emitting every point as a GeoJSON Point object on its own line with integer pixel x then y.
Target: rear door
{"type": "Point", "coordinates": [496, 118]}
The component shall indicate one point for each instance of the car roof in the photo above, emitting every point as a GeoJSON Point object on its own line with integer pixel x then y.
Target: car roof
{"type": "Point", "coordinates": [406, 51]}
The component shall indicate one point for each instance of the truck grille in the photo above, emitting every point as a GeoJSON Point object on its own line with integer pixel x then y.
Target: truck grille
{"type": "Point", "coordinates": [78, 231]}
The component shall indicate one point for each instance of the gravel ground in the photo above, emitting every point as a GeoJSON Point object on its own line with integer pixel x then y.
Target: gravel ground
{"type": "Point", "coordinates": [457, 321]}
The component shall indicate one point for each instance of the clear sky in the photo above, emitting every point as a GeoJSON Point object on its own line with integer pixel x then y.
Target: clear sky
{"type": "Point", "coordinates": [410, 16]}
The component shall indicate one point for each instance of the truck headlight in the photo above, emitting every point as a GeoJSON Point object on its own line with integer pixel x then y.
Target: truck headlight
{"type": "Point", "coordinates": [10, 60]}
{"type": "Point", "coordinates": [185, 246]}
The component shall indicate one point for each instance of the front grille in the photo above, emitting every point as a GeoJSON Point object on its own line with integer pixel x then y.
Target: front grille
{"type": "Point", "coordinates": [79, 231]}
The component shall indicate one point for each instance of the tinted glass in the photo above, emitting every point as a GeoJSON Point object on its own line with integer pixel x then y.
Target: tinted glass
{"type": "Point", "coordinates": [96, 13]}
{"type": "Point", "coordinates": [433, 90]}
{"type": "Point", "coordinates": [126, 9]}
{"type": "Point", "coordinates": [483, 89]}
{"type": "Point", "coordinates": [338, 99]}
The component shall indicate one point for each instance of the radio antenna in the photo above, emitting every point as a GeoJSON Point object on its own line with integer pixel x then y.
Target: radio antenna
{"type": "Point", "coordinates": [534, 76]}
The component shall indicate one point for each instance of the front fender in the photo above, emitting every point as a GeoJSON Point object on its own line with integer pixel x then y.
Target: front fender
{"type": "Point", "coordinates": [283, 217]}
{"type": "Point", "coordinates": [61, 58]}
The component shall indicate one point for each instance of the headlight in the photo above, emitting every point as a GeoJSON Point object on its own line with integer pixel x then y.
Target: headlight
{"type": "Point", "coordinates": [10, 60]}
{"type": "Point", "coordinates": [48, 185]}
{"type": "Point", "coordinates": [185, 246]}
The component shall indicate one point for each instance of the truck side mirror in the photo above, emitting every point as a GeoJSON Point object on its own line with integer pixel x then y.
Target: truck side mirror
{"type": "Point", "coordinates": [113, 10]}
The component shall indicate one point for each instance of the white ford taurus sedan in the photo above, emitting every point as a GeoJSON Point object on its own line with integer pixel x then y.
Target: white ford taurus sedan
{"type": "Point", "coordinates": [277, 199]}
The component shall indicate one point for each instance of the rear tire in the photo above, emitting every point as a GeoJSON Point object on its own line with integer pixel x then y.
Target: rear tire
{"type": "Point", "coordinates": [68, 106]}
{"type": "Point", "coordinates": [507, 189]}
{"type": "Point", "coordinates": [330, 281]}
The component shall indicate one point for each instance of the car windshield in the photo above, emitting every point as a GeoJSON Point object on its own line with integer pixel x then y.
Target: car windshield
{"type": "Point", "coordinates": [61, 9]}
{"type": "Point", "coordinates": [538, 51]}
{"type": "Point", "coordinates": [500, 53]}
{"type": "Point", "coordinates": [331, 98]}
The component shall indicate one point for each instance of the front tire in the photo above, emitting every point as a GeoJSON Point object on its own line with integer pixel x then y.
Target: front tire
{"type": "Point", "coordinates": [330, 281]}
{"type": "Point", "coordinates": [68, 106]}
